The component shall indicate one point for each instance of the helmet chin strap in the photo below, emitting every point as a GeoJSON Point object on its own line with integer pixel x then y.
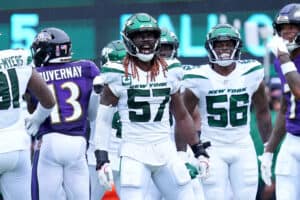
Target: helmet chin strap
{"type": "Point", "coordinates": [145, 57]}
{"type": "Point", "coordinates": [223, 63]}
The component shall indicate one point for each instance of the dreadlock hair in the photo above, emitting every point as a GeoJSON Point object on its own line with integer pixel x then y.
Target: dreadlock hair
{"type": "Point", "coordinates": [132, 62]}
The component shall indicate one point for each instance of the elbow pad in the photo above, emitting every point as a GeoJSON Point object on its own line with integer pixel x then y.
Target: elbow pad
{"type": "Point", "coordinates": [103, 123]}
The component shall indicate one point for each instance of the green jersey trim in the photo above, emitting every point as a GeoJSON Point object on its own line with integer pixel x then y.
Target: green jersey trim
{"type": "Point", "coordinates": [187, 76]}
{"type": "Point", "coordinates": [108, 69]}
{"type": "Point", "coordinates": [174, 65]}
{"type": "Point", "coordinates": [253, 69]}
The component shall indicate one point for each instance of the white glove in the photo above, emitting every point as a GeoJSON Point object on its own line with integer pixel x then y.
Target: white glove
{"type": "Point", "coordinates": [32, 126]}
{"type": "Point", "coordinates": [265, 167]}
{"type": "Point", "coordinates": [203, 165]}
{"type": "Point", "coordinates": [33, 122]}
{"type": "Point", "coordinates": [184, 156]}
{"type": "Point", "coordinates": [105, 177]}
{"type": "Point", "coordinates": [276, 44]}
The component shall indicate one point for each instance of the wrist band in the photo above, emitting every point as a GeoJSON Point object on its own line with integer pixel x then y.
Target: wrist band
{"type": "Point", "coordinates": [288, 67]}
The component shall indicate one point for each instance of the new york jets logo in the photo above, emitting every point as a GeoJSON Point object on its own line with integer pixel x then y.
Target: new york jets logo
{"type": "Point", "coordinates": [126, 80]}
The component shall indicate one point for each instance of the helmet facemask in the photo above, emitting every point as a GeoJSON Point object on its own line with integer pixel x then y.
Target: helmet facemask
{"type": "Point", "coordinates": [138, 49]}
{"type": "Point", "coordinates": [224, 59]}
{"type": "Point", "coordinates": [223, 32]}
{"type": "Point", "coordinates": [135, 26]}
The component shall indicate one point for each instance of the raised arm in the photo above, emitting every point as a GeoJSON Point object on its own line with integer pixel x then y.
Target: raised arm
{"type": "Point", "coordinates": [263, 116]}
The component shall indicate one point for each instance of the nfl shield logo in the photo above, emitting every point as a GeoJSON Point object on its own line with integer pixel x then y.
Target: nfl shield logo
{"type": "Point", "coordinates": [126, 80]}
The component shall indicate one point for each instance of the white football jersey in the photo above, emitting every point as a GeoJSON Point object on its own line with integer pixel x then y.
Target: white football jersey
{"type": "Point", "coordinates": [143, 104]}
{"type": "Point", "coordinates": [15, 72]}
{"type": "Point", "coordinates": [224, 101]}
{"type": "Point", "coordinates": [175, 68]}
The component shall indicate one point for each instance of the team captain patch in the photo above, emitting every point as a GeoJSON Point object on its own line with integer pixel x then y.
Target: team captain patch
{"type": "Point", "coordinates": [126, 80]}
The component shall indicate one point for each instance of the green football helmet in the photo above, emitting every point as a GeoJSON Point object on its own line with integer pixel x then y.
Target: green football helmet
{"type": "Point", "coordinates": [170, 41]}
{"type": "Point", "coordinates": [114, 51]}
{"type": "Point", "coordinates": [140, 22]}
{"type": "Point", "coordinates": [223, 32]}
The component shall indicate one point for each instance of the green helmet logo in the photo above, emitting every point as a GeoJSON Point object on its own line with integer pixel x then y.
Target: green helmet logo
{"type": "Point", "coordinates": [114, 51]}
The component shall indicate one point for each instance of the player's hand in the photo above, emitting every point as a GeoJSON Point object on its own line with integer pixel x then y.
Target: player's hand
{"type": "Point", "coordinates": [265, 167]}
{"type": "Point", "coordinates": [32, 126]}
{"type": "Point", "coordinates": [202, 158]}
{"type": "Point", "coordinates": [203, 165]}
{"type": "Point", "coordinates": [105, 177]}
{"type": "Point", "coordinates": [190, 163]}
{"type": "Point", "coordinates": [277, 45]}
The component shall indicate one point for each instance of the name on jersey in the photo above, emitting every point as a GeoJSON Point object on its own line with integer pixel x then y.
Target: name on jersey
{"type": "Point", "coordinates": [64, 73]}
{"type": "Point", "coordinates": [148, 85]}
{"type": "Point", "coordinates": [232, 91]}
{"type": "Point", "coordinates": [11, 62]}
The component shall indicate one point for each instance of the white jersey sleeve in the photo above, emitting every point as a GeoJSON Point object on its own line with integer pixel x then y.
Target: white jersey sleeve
{"type": "Point", "coordinates": [175, 74]}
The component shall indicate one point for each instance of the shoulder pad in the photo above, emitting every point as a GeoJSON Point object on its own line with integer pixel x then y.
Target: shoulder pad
{"type": "Point", "coordinates": [197, 71]}
{"type": "Point", "coordinates": [190, 67]}
{"type": "Point", "coordinates": [173, 63]}
{"type": "Point", "coordinates": [250, 66]}
{"type": "Point", "coordinates": [112, 67]}
{"type": "Point", "coordinates": [18, 57]}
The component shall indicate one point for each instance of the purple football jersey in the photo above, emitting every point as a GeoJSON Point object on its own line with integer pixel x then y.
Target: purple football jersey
{"type": "Point", "coordinates": [71, 84]}
{"type": "Point", "coordinates": [292, 115]}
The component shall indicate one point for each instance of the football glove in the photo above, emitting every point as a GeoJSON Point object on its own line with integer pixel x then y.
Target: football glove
{"type": "Point", "coordinates": [277, 44]}
{"type": "Point", "coordinates": [202, 158]}
{"type": "Point", "coordinates": [193, 171]}
{"type": "Point", "coordinates": [189, 163]}
{"type": "Point", "coordinates": [33, 122]}
{"type": "Point", "coordinates": [265, 167]}
{"type": "Point", "coordinates": [105, 175]}
{"type": "Point", "coordinates": [200, 149]}
{"type": "Point", "coordinates": [203, 167]}
{"type": "Point", "coordinates": [32, 126]}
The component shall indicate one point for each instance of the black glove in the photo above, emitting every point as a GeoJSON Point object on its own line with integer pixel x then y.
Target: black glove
{"type": "Point", "coordinates": [101, 158]}
{"type": "Point", "coordinates": [200, 149]}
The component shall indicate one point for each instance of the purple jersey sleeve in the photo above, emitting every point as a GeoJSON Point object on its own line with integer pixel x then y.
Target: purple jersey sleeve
{"type": "Point", "coordinates": [72, 85]}
{"type": "Point", "coordinates": [293, 106]}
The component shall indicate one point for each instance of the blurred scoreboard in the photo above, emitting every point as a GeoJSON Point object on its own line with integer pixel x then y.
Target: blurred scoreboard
{"type": "Point", "coordinates": [91, 24]}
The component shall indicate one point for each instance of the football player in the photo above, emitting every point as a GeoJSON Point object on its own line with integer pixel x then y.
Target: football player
{"type": "Point", "coordinates": [17, 74]}
{"type": "Point", "coordinates": [113, 52]}
{"type": "Point", "coordinates": [60, 160]}
{"type": "Point", "coordinates": [142, 92]}
{"type": "Point", "coordinates": [286, 47]}
{"type": "Point", "coordinates": [224, 90]}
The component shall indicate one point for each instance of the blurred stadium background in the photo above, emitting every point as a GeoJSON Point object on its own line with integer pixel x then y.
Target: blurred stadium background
{"type": "Point", "coordinates": [91, 24]}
